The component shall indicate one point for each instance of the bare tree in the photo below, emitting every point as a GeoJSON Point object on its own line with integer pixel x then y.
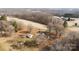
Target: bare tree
{"type": "Point", "coordinates": [56, 25]}
{"type": "Point", "coordinates": [30, 27]}
{"type": "Point", "coordinates": [40, 17]}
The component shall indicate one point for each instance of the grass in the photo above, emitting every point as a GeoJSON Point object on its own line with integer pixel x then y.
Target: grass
{"type": "Point", "coordinates": [26, 42]}
{"type": "Point", "coordinates": [24, 39]}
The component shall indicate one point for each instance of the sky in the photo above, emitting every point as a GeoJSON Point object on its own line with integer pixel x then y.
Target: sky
{"type": "Point", "coordinates": [39, 3]}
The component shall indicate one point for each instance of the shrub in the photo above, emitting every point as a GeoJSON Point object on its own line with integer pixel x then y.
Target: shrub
{"type": "Point", "coordinates": [30, 43]}
{"type": "Point", "coordinates": [75, 24]}
{"type": "Point", "coordinates": [69, 43]}
{"type": "Point", "coordinates": [3, 17]}
{"type": "Point", "coordinates": [15, 25]}
{"type": "Point", "coordinates": [5, 28]}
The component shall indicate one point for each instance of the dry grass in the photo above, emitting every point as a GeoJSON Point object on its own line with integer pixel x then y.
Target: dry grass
{"type": "Point", "coordinates": [26, 23]}
{"type": "Point", "coordinates": [4, 46]}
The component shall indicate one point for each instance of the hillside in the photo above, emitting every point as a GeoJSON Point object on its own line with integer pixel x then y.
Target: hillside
{"type": "Point", "coordinates": [26, 23]}
{"type": "Point", "coordinates": [38, 39]}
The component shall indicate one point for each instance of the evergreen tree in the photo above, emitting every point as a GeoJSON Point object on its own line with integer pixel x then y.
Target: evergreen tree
{"type": "Point", "coordinates": [69, 19]}
{"type": "Point", "coordinates": [65, 24]}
